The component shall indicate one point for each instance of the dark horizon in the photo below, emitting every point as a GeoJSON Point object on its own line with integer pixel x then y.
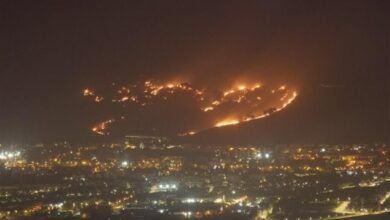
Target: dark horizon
{"type": "Point", "coordinates": [334, 53]}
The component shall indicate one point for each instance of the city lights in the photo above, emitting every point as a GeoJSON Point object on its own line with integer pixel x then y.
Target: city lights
{"type": "Point", "coordinates": [228, 176]}
{"type": "Point", "coordinates": [167, 110]}
{"type": "Point", "coordinates": [9, 155]}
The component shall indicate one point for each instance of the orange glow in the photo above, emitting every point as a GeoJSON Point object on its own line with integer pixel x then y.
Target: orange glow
{"type": "Point", "coordinates": [228, 92]}
{"type": "Point", "coordinates": [227, 122]}
{"type": "Point", "coordinates": [241, 87]}
{"type": "Point", "coordinates": [88, 92]}
{"type": "Point", "coordinates": [209, 108]}
{"type": "Point", "coordinates": [256, 86]}
{"type": "Point", "coordinates": [216, 102]}
{"type": "Point", "coordinates": [125, 98]}
{"type": "Point", "coordinates": [256, 117]}
{"type": "Point", "coordinates": [243, 99]}
{"type": "Point", "coordinates": [98, 99]}
{"type": "Point", "coordinates": [101, 127]}
{"type": "Point", "coordinates": [290, 100]}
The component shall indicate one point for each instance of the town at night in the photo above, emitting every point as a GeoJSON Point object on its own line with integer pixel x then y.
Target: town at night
{"type": "Point", "coordinates": [209, 110]}
{"type": "Point", "coordinates": [145, 177]}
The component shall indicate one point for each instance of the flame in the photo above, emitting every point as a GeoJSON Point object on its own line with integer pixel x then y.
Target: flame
{"type": "Point", "coordinates": [227, 122]}
{"type": "Point", "coordinates": [208, 108]}
{"type": "Point", "coordinates": [125, 98]}
{"type": "Point", "coordinates": [256, 86]}
{"type": "Point", "coordinates": [229, 92]}
{"type": "Point", "coordinates": [98, 99]}
{"type": "Point", "coordinates": [216, 102]}
{"type": "Point", "coordinates": [239, 94]}
{"type": "Point", "coordinates": [88, 92]}
{"type": "Point", "coordinates": [241, 87]}
{"type": "Point", "coordinates": [101, 128]}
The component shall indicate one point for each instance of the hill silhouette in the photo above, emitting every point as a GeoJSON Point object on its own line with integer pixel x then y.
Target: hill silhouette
{"type": "Point", "coordinates": [321, 114]}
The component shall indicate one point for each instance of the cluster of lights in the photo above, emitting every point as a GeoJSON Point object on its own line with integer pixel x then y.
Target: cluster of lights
{"type": "Point", "coordinates": [187, 214]}
{"type": "Point", "coordinates": [260, 155]}
{"type": "Point", "coordinates": [124, 164]}
{"type": "Point", "coordinates": [192, 200]}
{"type": "Point", "coordinates": [167, 186]}
{"type": "Point", "coordinates": [8, 155]}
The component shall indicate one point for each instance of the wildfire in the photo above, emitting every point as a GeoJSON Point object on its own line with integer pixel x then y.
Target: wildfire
{"type": "Point", "coordinates": [241, 87]}
{"type": "Point", "coordinates": [259, 116]}
{"type": "Point", "coordinates": [124, 98]}
{"type": "Point", "coordinates": [98, 99]}
{"type": "Point", "coordinates": [256, 86]}
{"type": "Point", "coordinates": [247, 102]}
{"type": "Point", "coordinates": [88, 92]}
{"type": "Point", "coordinates": [102, 127]}
{"type": "Point", "coordinates": [227, 122]}
{"type": "Point", "coordinates": [208, 108]}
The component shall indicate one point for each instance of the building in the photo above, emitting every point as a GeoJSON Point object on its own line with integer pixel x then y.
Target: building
{"type": "Point", "coordinates": [145, 142]}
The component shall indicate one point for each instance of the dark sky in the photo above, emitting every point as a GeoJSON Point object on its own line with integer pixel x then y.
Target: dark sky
{"type": "Point", "coordinates": [50, 50]}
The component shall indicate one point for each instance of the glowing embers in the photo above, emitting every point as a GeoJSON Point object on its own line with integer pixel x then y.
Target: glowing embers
{"type": "Point", "coordinates": [241, 102]}
{"type": "Point", "coordinates": [144, 93]}
{"type": "Point", "coordinates": [236, 94]}
{"type": "Point", "coordinates": [208, 108]}
{"type": "Point", "coordinates": [88, 92]}
{"type": "Point", "coordinates": [288, 98]}
{"type": "Point", "coordinates": [102, 127]}
{"type": "Point", "coordinates": [227, 122]}
{"type": "Point", "coordinates": [152, 88]}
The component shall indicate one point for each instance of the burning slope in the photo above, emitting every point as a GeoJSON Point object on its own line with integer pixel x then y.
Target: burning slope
{"type": "Point", "coordinates": [214, 107]}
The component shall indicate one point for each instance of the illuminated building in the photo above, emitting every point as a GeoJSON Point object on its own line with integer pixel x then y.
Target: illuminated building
{"type": "Point", "coordinates": [145, 142]}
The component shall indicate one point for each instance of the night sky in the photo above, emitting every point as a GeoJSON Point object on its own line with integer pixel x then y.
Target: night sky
{"type": "Point", "coordinates": [335, 52]}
